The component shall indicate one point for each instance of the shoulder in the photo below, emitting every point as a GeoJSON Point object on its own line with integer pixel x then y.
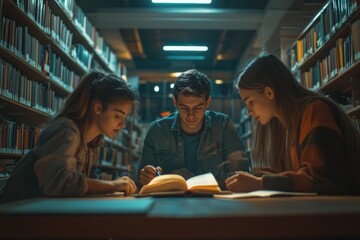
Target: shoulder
{"type": "Point", "coordinates": [318, 114]}
{"type": "Point", "coordinates": [318, 105]}
{"type": "Point", "coordinates": [163, 122]}
{"type": "Point", "coordinates": [62, 127]}
{"type": "Point", "coordinates": [216, 117]}
{"type": "Point", "coordinates": [161, 129]}
{"type": "Point", "coordinates": [62, 123]}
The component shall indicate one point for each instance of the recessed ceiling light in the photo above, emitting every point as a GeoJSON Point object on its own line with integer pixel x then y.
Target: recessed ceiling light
{"type": "Point", "coordinates": [219, 81]}
{"type": "Point", "coordinates": [185, 57]}
{"type": "Point", "coordinates": [185, 48]}
{"type": "Point", "coordinates": [183, 1]}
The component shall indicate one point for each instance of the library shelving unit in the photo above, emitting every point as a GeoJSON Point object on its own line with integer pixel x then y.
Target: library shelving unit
{"type": "Point", "coordinates": [45, 48]}
{"type": "Point", "coordinates": [245, 129]}
{"type": "Point", "coordinates": [325, 56]}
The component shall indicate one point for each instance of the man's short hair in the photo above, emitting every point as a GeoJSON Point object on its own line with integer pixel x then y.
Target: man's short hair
{"type": "Point", "coordinates": [192, 83]}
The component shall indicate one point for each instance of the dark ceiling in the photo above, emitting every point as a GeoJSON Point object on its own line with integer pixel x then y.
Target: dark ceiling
{"type": "Point", "coordinates": [232, 29]}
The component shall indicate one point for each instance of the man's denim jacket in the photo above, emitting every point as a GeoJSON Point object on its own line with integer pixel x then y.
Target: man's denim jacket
{"type": "Point", "coordinates": [220, 150]}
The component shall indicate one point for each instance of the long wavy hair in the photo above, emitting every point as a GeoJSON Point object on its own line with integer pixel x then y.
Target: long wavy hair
{"type": "Point", "coordinates": [272, 142]}
{"type": "Point", "coordinates": [107, 88]}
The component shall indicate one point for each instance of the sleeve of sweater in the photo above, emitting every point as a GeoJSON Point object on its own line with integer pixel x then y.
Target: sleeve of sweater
{"type": "Point", "coordinates": [56, 168]}
{"type": "Point", "coordinates": [321, 166]}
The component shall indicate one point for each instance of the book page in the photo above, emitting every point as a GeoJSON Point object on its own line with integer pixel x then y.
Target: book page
{"type": "Point", "coordinates": [206, 179]}
{"type": "Point", "coordinates": [163, 183]}
{"type": "Point", "coordinates": [263, 193]}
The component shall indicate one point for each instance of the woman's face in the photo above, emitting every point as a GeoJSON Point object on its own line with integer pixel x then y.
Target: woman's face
{"type": "Point", "coordinates": [113, 119]}
{"type": "Point", "coordinates": [260, 104]}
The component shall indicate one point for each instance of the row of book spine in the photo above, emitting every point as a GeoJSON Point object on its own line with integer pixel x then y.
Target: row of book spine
{"type": "Point", "coordinates": [45, 53]}
{"type": "Point", "coordinates": [19, 41]}
{"type": "Point", "coordinates": [338, 59]}
{"type": "Point", "coordinates": [98, 173]}
{"type": "Point", "coordinates": [16, 138]}
{"type": "Point", "coordinates": [110, 157]}
{"type": "Point", "coordinates": [19, 88]}
{"type": "Point", "coordinates": [40, 13]}
{"type": "Point", "coordinates": [53, 25]}
{"type": "Point", "coordinates": [332, 17]}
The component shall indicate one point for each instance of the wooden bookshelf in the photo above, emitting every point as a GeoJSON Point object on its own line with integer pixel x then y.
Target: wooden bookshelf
{"type": "Point", "coordinates": [78, 36]}
{"type": "Point", "coordinates": [244, 130]}
{"type": "Point", "coordinates": [342, 82]}
{"type": "Point", "coordinates": [54, 63]}
{"type": "Point", "coordinates": [22, 113]}
{"type": "Point", "coordinates": [30, 70]}
{"type": "Point", "coordinates": [324, 49]}
{"type": "Point", "coordinates": [333, 65]}
{"type": "Point", "coordinates": [22, 18]}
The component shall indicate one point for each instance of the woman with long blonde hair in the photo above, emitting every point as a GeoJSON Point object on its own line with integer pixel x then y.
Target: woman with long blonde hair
{"type": "Point", "coordinates": [302, 141]}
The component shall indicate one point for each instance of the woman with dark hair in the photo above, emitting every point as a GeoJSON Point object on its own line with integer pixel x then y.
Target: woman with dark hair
{"type": "Point", "coordinates": [302, 141]}
{"type": "Point", "coordinates": [67, 146]}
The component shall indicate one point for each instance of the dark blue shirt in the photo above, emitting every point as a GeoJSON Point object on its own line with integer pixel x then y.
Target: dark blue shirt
{"type": "Point", "coordinates": [191, 146]}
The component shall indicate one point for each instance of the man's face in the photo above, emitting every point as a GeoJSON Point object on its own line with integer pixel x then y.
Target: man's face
{"type": "Point", "coordinates": [191, 111]}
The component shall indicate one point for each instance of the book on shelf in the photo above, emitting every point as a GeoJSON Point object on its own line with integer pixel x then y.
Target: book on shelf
{"type": "Point", "coordinates": [355, 30]}
{"type": "Point", "coordinates": [262, 194]}
{"type": "Point", "coordinates": [43, 56]}
{"type": "Point", "coordinates": [173, 184]}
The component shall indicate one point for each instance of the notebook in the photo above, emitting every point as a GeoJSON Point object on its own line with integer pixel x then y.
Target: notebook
{"type": "Point", "coordinates": [262, 193]}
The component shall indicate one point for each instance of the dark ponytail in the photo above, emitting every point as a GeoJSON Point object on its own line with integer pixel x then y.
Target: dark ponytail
{"type": "Point", "coordinates": [96, 85]}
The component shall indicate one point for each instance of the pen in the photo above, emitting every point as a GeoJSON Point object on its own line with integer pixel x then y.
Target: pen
{"type": "Point", "coordinates": [158, 173]}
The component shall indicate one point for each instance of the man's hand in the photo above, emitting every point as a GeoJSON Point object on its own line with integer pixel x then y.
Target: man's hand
{"type": "Point", "coordinates": [148, 173]}
{"type": "Point", "coordinates": [243, 182]}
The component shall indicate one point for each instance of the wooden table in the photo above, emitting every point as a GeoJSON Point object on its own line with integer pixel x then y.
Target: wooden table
{"type": "Point", "coordinates": [310, 217]}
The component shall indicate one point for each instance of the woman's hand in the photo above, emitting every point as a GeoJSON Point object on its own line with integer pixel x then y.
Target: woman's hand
{"type": "Point", "coordinates": [243, 182]}
{"type": "Point", "coordinates": [124, 184]}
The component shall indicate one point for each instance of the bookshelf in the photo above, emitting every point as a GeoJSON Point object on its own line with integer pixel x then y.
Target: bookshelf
{"type": "Point", "coordinates": [245, 130]}
{"type": "Point", "coordinates": [45, 48]}
{"type": "Point", "coordinates": [325, 57]}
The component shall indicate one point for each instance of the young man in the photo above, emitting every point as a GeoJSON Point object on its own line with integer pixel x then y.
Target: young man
{"type": "Point", "coordinates": [193, 140]}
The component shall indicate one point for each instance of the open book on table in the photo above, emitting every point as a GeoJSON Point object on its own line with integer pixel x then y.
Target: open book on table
{"type": "Point", "coordinates": [263, 193]}
{"type": "Point", "coordinates": [172, 184]}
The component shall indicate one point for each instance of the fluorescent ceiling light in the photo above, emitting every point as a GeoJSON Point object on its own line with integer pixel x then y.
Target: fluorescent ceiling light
{"type": "Point", "coordinates": [185, 48]}
{"type": "Point", "coordinates": [183, 1]}
{"type": "Point", "coordinates": [186, 57]}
